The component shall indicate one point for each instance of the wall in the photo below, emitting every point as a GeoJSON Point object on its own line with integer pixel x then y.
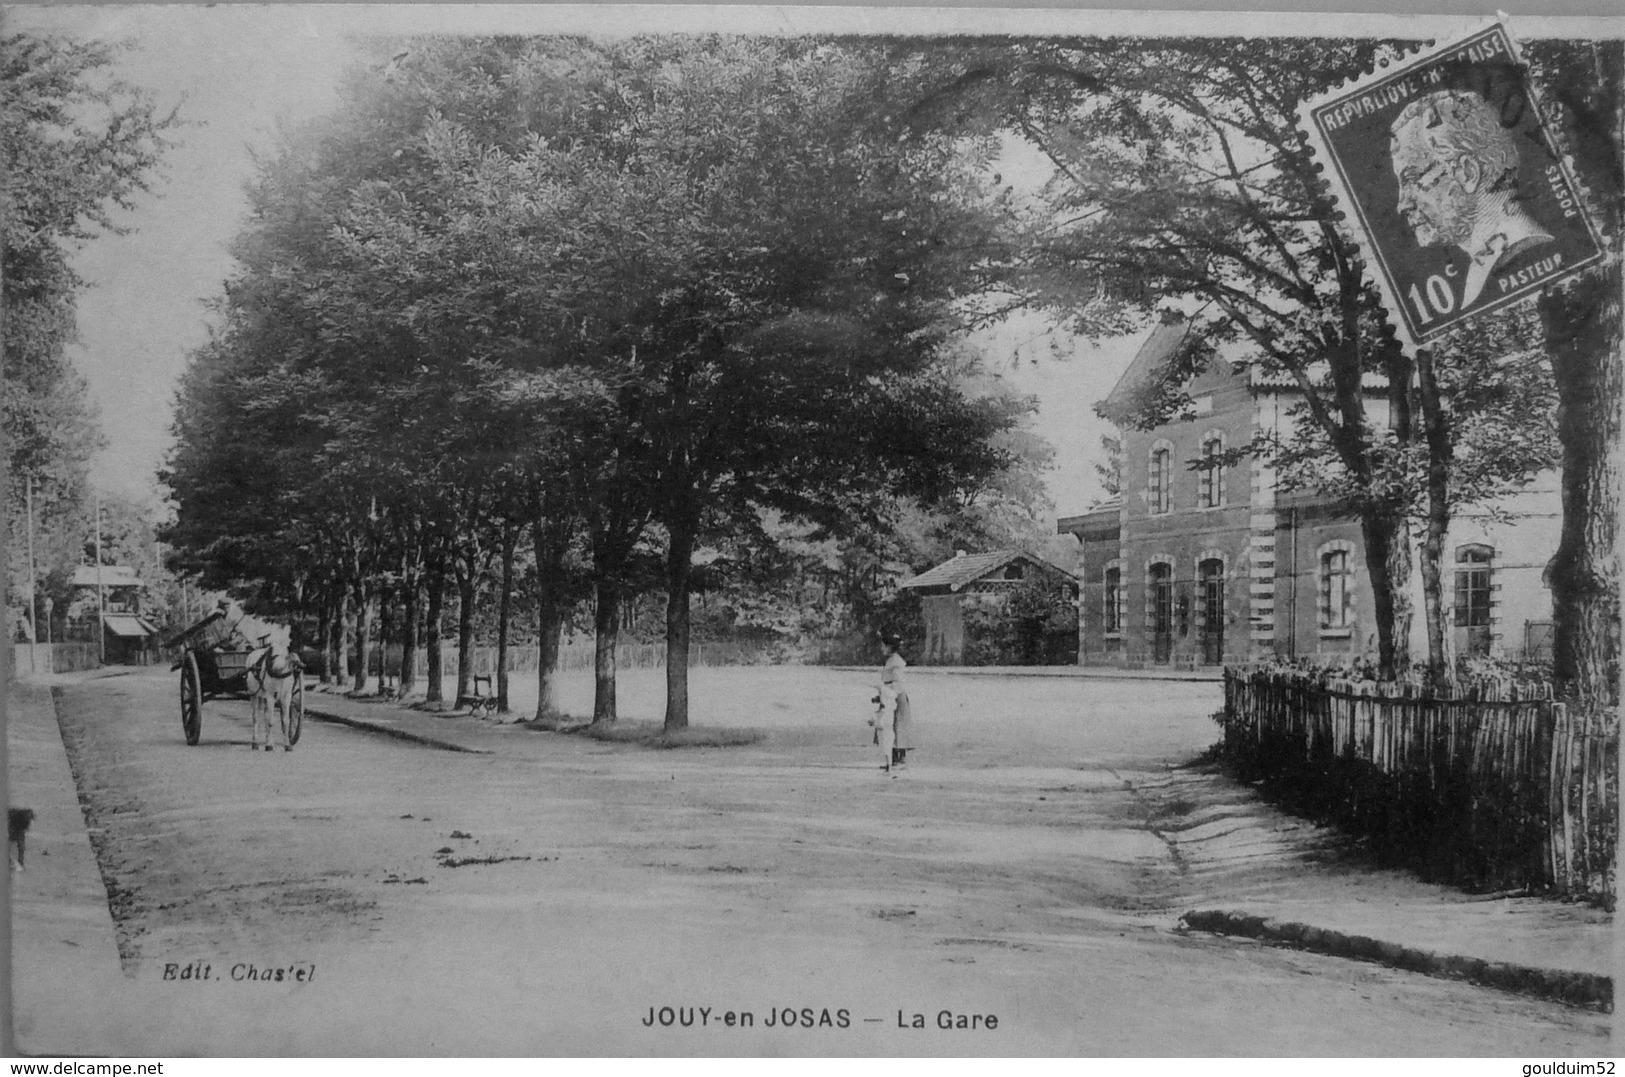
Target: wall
{"type": "Point", "coordinates": [1188, 533]}
{"type": "Point", "coordinates": [944, 630]}
{"type": "Point", "coordinates": [1098, 547]}
{"type": "Point", "coordinates": [1524, 534]}
{"type": "Point", "coordinates": [1304, 529]}
{"type": "Point", "coordinates": [1271, 543]}
{"type": "Point", "coordinates": [43, 658]}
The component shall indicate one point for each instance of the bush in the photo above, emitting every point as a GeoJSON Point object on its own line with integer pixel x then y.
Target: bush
{"type": "Point", "coordinates": [1032, 624]}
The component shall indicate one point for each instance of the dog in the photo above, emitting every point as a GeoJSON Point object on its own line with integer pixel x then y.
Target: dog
{"type": "Point", "coordinates": [17, 823]}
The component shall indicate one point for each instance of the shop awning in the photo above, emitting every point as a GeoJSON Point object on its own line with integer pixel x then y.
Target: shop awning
{"type": "Point", "coordinates": [123, 624]}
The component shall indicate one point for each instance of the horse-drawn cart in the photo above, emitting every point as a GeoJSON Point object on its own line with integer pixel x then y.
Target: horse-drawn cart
{"type": "Point", "coordinates": [214, 662]}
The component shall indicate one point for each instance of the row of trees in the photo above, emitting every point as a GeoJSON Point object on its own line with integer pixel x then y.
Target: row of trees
{"type": "Point", "coordinates": [608, 301]}
{"type": "Point", "coordinates": [569, 310]}
{"type": "Point", "coordinates": [80, 146]}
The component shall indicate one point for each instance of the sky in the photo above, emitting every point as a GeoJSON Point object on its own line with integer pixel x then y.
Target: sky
{"type": "Point", "coordinates": [235, 72]}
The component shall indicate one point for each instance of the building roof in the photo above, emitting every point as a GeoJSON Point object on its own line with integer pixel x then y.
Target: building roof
{"type": "Point", "coordinates": [122, 624]}
{"type": "Point", "coordinates": [1161, 346]}
{"type": "Point", "coordinates": [112, 576]}
{"type": "Point", "coordinates": [969, 567]}
{"type": "Point", "coordinates": [1107, 516]}
{"type": "Point", "coordinates": [1158, 348]}
{"type": "Point", "coordinates": [1110, 507]}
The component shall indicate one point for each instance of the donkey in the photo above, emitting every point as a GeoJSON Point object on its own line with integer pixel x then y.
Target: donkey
{"type": "Point", "coordinates": [271, 672]}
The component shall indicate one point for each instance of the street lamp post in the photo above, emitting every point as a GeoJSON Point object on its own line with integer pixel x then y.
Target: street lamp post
{"type": "Point", "coordinates": [101, 623]}
{"type": "Point", "coordinates": [33, 612]}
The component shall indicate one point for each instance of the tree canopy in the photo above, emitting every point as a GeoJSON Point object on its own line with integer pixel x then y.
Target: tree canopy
{"type": "Point", "coordinates": [80, 146]}
{"type": "Point", "coordinates": [661, 284]}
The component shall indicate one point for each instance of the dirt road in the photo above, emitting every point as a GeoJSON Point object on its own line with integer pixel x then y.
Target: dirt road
{"type": "Point", "coordinates": [362, 895]}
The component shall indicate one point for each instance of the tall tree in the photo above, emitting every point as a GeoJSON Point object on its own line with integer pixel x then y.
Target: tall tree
{"type": "Point", "coordinates": [80, 146]}
{"type": "Point", "coordinates": [789, 309]}
{"type": "Point", "coordinates": [1582, 82]}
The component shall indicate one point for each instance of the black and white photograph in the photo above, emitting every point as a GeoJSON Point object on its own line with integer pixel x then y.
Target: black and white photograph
{"type": "Point", "coordinates": [664, 531]}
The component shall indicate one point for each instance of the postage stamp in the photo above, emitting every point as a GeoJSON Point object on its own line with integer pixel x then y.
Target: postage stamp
{"type": "Point", "coordinates": [1446, 169]}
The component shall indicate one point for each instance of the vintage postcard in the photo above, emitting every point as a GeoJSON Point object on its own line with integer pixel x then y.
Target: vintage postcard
{"type": "Point", "coordinates": [833, 532]}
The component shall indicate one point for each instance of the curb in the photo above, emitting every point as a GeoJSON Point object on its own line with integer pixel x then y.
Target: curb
{"type": "Point", "coordinates": [1588, 989]}
{"type": "Point", "coordinates": [389, 731]}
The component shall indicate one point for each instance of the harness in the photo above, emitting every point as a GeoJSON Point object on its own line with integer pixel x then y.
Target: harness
{"type": "Point", "coordinates": [267, 666]}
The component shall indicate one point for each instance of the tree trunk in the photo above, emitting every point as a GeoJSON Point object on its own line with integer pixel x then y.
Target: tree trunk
{"type": "Point", "coordinates": [510, 539]}
{"type": "Point", "coordinates": [551, 540]}
{"type": "Point", "coordinates": [465, 635]}
{"type": "Point", "coordinates": [346, 634]}
{"type": "Point", "coordinates": [363, 638]}
{"type": "Point", "coordinates": [409, 634]}
{"type": "Point", "coordinates": [1440, 456]}
{"type": "Point", "coordinates": [435, 581]}
{"type": "Point", "coordinates": [549, 632]}
{"type": "Point", "coordinates": [1388, 566]}
{"type": "Point", "coordinates": [679, 563]}
{"type": "Point", "coordinates": [386, 628]}
{"type": "Point", "coordinates": [606, 630]}
{"type": "Point", "coordinates": [324, 630]}
{"type": "Point", "coordinates": [1583, 332]}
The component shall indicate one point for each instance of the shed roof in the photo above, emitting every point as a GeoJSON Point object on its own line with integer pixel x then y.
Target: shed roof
{"type": "Point", "coordinates": [112, 576]}
{"type": "Point", "coordinates": [122, 624]}
{"type": "Point", "coordinates": [970, 567]}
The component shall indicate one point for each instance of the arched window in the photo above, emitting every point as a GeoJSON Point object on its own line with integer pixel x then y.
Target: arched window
{"type": "Point", "coordinates": [1159, 578]}
{"type": "Point", "coordinates": [1113, 603]}
{"type": "Point", "coordinates": [1210, 608]}
{"type": "Point", "coordinates": [1210, 484]}
{"type": "Point", "coordinates": [1336, 585]}
{"type": "Point", "coordinates": [1474, 593]}
{"type": "Point", "coordinates": [1160, 481]}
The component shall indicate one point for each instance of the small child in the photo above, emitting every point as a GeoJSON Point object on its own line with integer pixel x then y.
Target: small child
{"type": "Point", "coordinates": [885, 701]}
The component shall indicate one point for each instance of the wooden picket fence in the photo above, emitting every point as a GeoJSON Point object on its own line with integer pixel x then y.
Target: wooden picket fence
{"type": "Point", "coordinates": [1495, 787]}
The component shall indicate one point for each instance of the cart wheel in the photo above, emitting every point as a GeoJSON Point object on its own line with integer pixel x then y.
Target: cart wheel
{"type": "Point", "coordinates": [294, 720]}
{"type": "Point", "coordinates": [191, 699]}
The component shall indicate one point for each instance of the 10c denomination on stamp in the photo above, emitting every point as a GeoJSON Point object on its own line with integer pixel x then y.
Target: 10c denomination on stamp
{"type": "Point", "coordinates": [1447, 171]}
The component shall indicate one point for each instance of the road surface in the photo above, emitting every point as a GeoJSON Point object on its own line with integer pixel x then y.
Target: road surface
{"type": "Point", "coordinates": [1020, 883]}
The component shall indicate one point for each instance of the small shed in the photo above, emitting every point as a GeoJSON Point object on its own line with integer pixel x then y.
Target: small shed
{"type": "Point", "coordinates": [985, 582]}
{"type": "Point", "coordinates": [128, 638]}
